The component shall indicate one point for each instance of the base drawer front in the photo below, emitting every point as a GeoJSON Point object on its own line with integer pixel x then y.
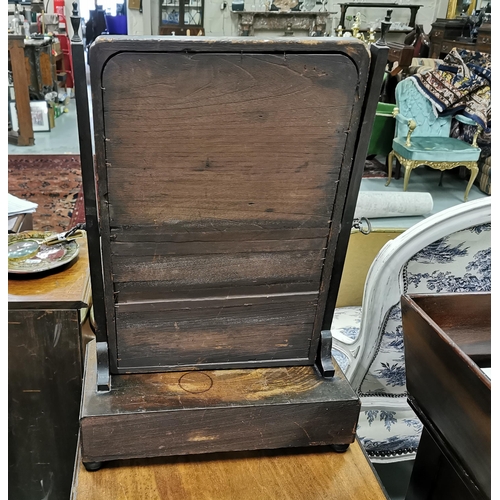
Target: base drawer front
{"type": "Point", "coordinates": [201, 332]}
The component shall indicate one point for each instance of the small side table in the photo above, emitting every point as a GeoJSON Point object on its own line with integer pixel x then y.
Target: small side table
{"type": "Point", "coordinates": [45, 350]}
{"type": "Point", "coordinates": [286, 474]}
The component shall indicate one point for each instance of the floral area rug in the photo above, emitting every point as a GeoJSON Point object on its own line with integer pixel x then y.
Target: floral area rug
{"type": "Point", "coordinates": [374, 168]}
{"type": "Point", "coordinates": [53, 182]}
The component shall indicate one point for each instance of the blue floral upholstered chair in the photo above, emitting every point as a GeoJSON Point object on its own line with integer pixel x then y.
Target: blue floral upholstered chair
{"type": "Point", "coordinates": [447, 252]}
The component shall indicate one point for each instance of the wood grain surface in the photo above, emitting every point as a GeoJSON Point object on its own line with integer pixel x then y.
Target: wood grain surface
{"type": "Point", "coordinates": [64, 288]}
{"type": "Point", "coordinates": [304, 474]}
{"type": "Point", "coordinates": [224, 176]}
{"type": "Point", "coordinates": [193, 412]}
{"type": "Point", "coordinates": [240, 137]}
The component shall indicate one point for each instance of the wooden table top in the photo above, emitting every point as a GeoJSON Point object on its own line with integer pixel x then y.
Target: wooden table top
{"type": "Point", "coordinates": [66, 289]}
{"type": "Point", "coordinates": [311, 474]}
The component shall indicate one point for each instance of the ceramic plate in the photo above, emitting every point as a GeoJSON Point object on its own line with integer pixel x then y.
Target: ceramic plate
{"type": "Point", "coordinates": [45, 258]}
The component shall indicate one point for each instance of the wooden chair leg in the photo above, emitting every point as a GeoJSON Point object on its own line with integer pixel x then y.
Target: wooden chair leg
{"type": "Point", "coordinates": [441, 178]}
{"type": "Point", "coordinates": [390, 159]}
{"type": "Point", "coordinates": [408, 170]}
{"type": "Point", "coordinates": [473, 174]}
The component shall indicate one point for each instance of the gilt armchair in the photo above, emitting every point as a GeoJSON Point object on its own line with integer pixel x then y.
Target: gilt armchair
{"type": "Point", "coordinates": [447, 252]}
{"type": "Point", "coordinates": [422, 138]}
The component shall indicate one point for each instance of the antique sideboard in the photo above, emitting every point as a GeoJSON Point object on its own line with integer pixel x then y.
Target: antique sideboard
{"type": "Point", "coordinates": [447, 34]}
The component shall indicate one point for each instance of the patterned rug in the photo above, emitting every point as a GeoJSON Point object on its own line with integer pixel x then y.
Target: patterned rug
{"type": "Point", "coordinates": [460, 85]}
{"type": "Point", "coordinates": [54, 182]}
{"type": "Point", "coordinates": [374, 168]}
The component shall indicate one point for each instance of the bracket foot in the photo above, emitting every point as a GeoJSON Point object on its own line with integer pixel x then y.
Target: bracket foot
{"type": "Point", "coordinates": [324, 362]}
{"type": "Point", "coordinates": [92, 466]}
{"type": "Point", "coordinates": [340, 448]}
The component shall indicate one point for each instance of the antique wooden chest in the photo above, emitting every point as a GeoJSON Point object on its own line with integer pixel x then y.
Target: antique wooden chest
{"type": "Point", "coordinates": [448, 374]}
{"type": "Point", "coordinates": [227, 173]}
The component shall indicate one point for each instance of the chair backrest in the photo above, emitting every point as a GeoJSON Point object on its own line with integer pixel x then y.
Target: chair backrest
{"type": "Point", "coordinates": [419, 40]}
{"type": "Point", "coordinates": [413, 105]}
{"type": "Point", "coordinates": [447, 252]}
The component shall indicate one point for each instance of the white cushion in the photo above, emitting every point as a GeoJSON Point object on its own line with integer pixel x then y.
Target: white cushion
{"type": "Point", "coordinates": [346, 323]}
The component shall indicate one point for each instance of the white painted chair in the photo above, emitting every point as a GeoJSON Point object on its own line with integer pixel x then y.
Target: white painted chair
{"type": "Point", "coordinates": [447, 252]}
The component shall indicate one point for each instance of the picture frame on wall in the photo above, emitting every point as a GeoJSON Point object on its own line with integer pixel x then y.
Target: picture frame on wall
{"type": "Point", "coordinates": [39, 116]}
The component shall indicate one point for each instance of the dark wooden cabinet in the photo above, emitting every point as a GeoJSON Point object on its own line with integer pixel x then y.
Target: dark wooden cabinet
{"type": "Point", "coordinates": [45, 354]}
{"type": "Point", "coordinates": [483, 42]}
{"type": "Point", "coordinates": [447, 345]}
{"type": "Point", "coordinates": [40, 67]}
{"type": "Point", "coordinates": [447, 34]}
{"type": "Point", "coordinates": [181, 17]}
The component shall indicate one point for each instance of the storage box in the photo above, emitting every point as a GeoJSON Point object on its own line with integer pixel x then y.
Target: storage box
{"type": "Point", "coordinates": [56, 48]}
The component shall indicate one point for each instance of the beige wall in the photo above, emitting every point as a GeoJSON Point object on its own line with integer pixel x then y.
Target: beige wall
{"type": "Point", "coordinates": [222, 23]}
{"type": "Point", "coordinates": [362, 250]}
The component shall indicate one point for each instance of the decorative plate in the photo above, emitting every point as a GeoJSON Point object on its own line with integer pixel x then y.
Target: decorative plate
{"type": "Point", "coordinates": [26, 257]}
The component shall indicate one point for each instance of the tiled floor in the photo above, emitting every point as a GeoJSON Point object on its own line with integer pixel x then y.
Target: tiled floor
{"type": "Point", "coordinates": [62, 139]}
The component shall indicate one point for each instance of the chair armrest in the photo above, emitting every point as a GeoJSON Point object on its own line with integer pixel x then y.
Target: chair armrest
{"type": "Point", "coordinates": [465, 120]}
{"type": "Point", "coordinates": [400, 118]}
{"type": "Point", "coordinates": [409, 122]}
{"type": "Point", "coordinates": [468, 121]}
